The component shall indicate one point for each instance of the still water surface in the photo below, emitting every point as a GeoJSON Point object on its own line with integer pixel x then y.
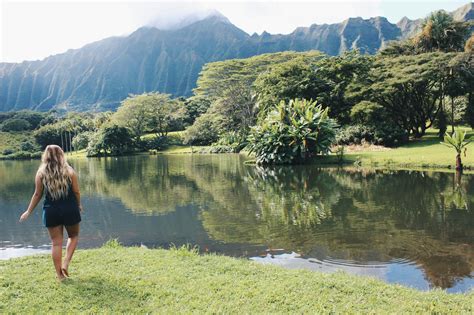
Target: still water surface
{"type": "Point", "coordinates": [412, 228]}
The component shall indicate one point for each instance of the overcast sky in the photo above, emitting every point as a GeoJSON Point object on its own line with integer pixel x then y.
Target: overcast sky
{"type": "Point", "coordinates": [35, 29]}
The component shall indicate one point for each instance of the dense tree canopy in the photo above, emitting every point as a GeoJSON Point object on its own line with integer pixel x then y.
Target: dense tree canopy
{"type": "Point", "coordinates": [150, 112]}
{"type": "Point", "coordinates": [408, 87]}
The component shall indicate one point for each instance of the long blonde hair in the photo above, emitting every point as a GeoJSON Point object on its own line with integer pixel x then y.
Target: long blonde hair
{"type": "Point", "coordinates": [54, 172]}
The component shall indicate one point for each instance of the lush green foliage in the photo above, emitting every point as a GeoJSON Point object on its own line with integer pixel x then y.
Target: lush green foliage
{"type": "Point", "coordinates": [442, 33]}
{"type": "Point", "coordinates": [181, 281]}
{"type": "Point", "coordinates": [292, 132]}
{"type": "Point", "coordinates": [439, 33]}
{"type": "Point", "coordinates": [457, 141]}
{"type": "Point", "coordinates": [216, 77]}
{"type": "Point", "coordinates": [380, 134]}
{"type": "Point", "coordinates": [110, 140]}
{"type": "Point", "coordinates": [81, 140]}
{"type": "Point", "coordinates": [205, 130]}
{"type": "Point", "coordinates": [407, 87]}
{"type": "Point", "coordinates": [16, 124]}
{"type": "Point", "coordinates": [150, 112]}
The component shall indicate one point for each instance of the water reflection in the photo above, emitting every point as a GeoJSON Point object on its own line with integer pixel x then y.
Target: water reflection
{"type": "Point", "coordinates": [408, 227]}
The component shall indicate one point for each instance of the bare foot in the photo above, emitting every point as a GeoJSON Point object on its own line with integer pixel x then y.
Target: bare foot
{"type": "Point", "coordinates": [64, 269]}
{"type": "Point", "coordinates": [61, 278]}
{"type": "Point", "coordinates": [64, 272]}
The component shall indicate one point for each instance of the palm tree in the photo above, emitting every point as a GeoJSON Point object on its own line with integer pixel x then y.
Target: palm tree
{"type": "Point", "coordinates": [440, 32]}
{"type": "Point", "coordinates": [458, 142]}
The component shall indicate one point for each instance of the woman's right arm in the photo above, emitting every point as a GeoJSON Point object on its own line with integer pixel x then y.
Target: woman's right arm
{"type": "Point", "coordinates": [35, 199]}
{"type": "Point", "coordinates": [75, 189]}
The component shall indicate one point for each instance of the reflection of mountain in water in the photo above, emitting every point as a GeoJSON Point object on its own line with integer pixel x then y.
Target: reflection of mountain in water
{"type": "Point", "coordinates": [217, 202]}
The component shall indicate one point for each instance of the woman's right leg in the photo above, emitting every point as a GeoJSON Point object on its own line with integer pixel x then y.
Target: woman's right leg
{"type": "Point", "coordinates": [73, 238]}
{"type": "Point", "coordinates": [56, 235]}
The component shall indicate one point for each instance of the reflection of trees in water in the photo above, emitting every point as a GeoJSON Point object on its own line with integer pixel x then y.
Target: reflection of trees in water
{"type": "Point", "coordinates": [354, 215]}
{"type": "Point", "coordinates": [145, 185]}
{"type": "Point", "coordinates": [17, 179]}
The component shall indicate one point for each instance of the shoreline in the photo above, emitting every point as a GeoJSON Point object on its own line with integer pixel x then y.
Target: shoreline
{"type": "Point", "coordinates": [349, 160]}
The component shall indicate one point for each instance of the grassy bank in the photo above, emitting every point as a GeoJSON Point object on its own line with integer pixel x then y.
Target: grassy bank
{"type": "Point", "coordinates": [425, 152]}
{"type": "Point", "coordinates": [143, 280]}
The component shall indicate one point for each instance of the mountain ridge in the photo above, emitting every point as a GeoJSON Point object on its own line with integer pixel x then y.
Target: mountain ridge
{"type": "Point", "coordinates": [100, 74]}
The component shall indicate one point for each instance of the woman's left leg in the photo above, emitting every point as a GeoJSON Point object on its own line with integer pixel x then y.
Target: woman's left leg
{"type": "Point", "coordinates": [56, 235]}
{"type": "Point", "coordinates": [73, 238]}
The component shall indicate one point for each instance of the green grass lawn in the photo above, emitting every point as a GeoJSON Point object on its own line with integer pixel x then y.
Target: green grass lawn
{"type": "Point", "coordinates": [425, 152]}
{"type": "Point", "coordinates": [138, 280]}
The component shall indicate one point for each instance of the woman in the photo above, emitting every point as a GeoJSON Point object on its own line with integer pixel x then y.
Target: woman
{"type": "Point", "coordinates": [62, 205]}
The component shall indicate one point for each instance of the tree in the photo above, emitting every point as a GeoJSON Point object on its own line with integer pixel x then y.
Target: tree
{"type": "Point", "coordinates": [237, 108]}
{"type": "Point", "coordinates": [134, 114]}
{"type": "Point", "coordinates": [216, 77]}
{"type": "Point", "coordinates": [408, 87]}
{"type": "Point", "coordinates": [458, 142]}
{"type": "Point", "coordinates": [33, 118]}
{"type": "Point", "coordinates": [166, 114]}
{"type": "Point", "coordinates": [459, 79]}
{"type": "Point", "coordinates": [114, 140]}
{"type": "Point", "coordinates": [293, 79]}
{"type": "Point", "coordinates": [195, 107]}
{"type": "Point", "coordinates": [205, 130]}
{"type": "Point", "coordinates": [324, 81]}
{"type": "Point", "coordinates": [292, 132]}
{"type": "Point", "coordinates": [48, 134]}
{"type": "Point", "coordinates": [15, 124]}
{"type": "Point", "coordinates": [442, 123]}
{"type": "Point", "coordinates": [150, 112]}
{"type": "Point", "coordinates": [441, 32]}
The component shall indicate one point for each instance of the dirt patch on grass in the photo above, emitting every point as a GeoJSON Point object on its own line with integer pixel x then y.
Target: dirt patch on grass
{"type": "Point", "coordinates": [365, 147]}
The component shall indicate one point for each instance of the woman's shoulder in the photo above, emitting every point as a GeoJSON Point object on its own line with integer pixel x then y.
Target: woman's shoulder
{"type": "Point", "coordinates": [71, 170]}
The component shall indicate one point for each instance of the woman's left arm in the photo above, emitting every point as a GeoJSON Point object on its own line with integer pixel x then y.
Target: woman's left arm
{"type": "Point", "coordinates": [35, 199]}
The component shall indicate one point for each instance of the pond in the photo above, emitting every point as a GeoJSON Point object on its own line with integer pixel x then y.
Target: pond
{"type": "Point", "coordinates": [407, 227]}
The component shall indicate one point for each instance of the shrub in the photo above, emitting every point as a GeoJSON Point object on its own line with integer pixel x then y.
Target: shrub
{"type": "Point", "coordinates": [15, 124]}
{"type": "Point", "coordinates": [222, 149]}
{"type": "Point", "coordinates": [8, 151]}
{"type": "Point", "coordinates": [384, 134]}
{"type": "Point", "coordinates": [28, 146]}
{"type": "Point", "coordinates": [229, 142]}
{"type": "Point", "coordinates": [204, 131]}
{"type": "Point", "coordinates": [292, 132]}
{"type": "Point", "coordinates": [20, 155]}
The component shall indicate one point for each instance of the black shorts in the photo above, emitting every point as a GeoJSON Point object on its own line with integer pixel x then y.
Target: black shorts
{"type": "Point", "coordinates": [54, 215]}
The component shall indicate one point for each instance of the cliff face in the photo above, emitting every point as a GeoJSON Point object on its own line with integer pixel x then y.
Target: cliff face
{"type": "Point", "coordinates": [99, 75]}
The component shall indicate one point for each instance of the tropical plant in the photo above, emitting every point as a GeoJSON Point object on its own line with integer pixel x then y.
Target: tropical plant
{"type": "Point", "coordinates": [458, 142]}
{"type": "Point", "coordinates": [292, 132]}
{"type": "Point", "coordinates": [442, 33]}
